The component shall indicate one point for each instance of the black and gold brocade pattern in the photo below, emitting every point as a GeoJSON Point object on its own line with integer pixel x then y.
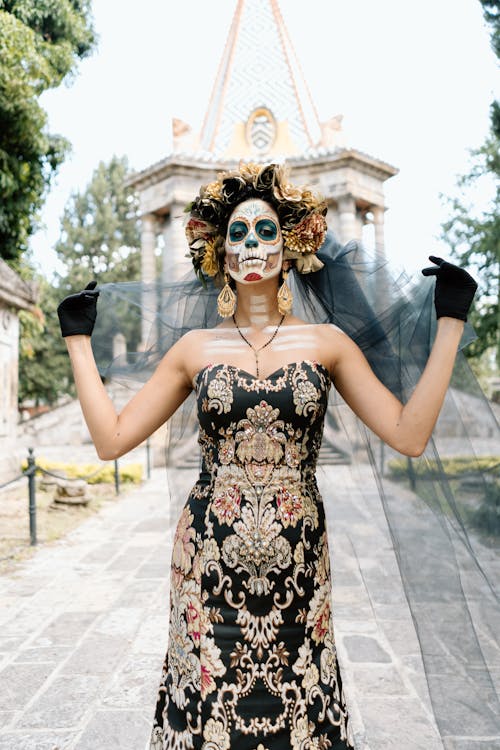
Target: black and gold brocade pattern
{"type": "Point", "coordinates": [251, 662]}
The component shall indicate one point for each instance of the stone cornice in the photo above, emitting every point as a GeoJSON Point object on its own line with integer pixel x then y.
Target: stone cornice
{"type": "Point", "coordinates": [345, 157]}
{"type": "Point", "coordinates": [14, 291]}
{"type": "Point", "coordinates": [177, 165]}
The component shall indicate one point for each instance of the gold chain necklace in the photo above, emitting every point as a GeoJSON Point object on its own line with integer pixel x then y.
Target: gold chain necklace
{"type": "Point", "coordinates": [257, 351]}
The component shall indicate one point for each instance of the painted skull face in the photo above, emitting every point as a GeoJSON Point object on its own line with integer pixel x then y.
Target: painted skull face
{"type": "Point", "coordinates": [254, 244]}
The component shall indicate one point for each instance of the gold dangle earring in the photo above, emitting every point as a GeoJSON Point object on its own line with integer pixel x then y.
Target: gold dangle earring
{"type": "Point", "coordinates": [226, 301]}
{"type": "Point", "coordinates": [285, 296]}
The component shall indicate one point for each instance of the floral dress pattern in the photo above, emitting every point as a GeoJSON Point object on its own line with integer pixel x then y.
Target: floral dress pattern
{"type": "Point", "coordinates": [251, 661]}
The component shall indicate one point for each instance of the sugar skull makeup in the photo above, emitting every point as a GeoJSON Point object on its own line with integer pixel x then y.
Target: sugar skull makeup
{"type": "Point", "coordinates": [254, 244]}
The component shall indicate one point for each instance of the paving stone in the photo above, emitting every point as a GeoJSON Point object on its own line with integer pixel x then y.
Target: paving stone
{"type": "Point", "coordinates": [393, 723]}
{"type": "Point", "coordinates": [10, 644]}
{"type": "Point", "coordinates": [101, 554]}
{"type": "Point", "coordinates": [19, 682]}
{"type": "Point", "coordinates": [140, 593]}
{"type": "Point", "coordinates": [401, 635]}
{"type": "Point", "coordinates": [27, 740]}
{"type": "Point", "coordinates": [363, 648]}
{"type": "Point", "coordinates": [472, 744]}
{"type": "Point", "coordinates": [24, 623]}
{"type": "Point", "coordinates": [45, 654]}
{"type": "Point", "coordinates": [126, 730]}
{"type": "Point", "coordinates": [65, 629]}
{"type": "Point", "coordinates": [7, 717]}
{"type": "Point", "coordinates": [135, 684]}
{"type": "Point", "coordinates": [352, 611]}
{"type": "Point", "coordinates": [63, 704]}
{"type": "Point", "coordinates": [96, 655]}
{"type": "Point", "coordinates": [153, 571]}
{"type": "Point", "coordinates": [379, 680]}
{"type": "Point", "coordinates": [127, 560]}
{"type": "Point", "coordinates": [120, 621]}
{"type": "Point", "coordinates": [29, 586]}
{"type": "Point", "coordinates": [152, 636]}
{"type": "Point", "coordinates": [151, 524]}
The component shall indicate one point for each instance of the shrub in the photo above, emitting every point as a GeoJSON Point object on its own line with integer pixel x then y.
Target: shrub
{"type": "Point", "coordinates": [92, 473]}
{"type": "Point", "coordinates": [452, 467]}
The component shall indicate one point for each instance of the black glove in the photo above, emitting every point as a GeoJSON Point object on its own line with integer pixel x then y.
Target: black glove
{"type": "Point", "coordinates": [77, 313]}
{"type": "Point", "coordinates": [455, 289]}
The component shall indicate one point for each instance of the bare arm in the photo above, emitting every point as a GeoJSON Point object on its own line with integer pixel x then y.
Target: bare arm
{"type": "Point", "coordinates": [406, 428]}
{"type": "Point", "coordinates": [115, 434]}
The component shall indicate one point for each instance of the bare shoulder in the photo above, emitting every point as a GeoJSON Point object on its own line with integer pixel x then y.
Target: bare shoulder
{"type": "Point", "coordinates": [193, 338]}
{"type": "Point", "coordinates": [177, 361]}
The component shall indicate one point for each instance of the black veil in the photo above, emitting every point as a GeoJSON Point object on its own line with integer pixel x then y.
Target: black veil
{"type": "Point", "coordinates": [442, 510]}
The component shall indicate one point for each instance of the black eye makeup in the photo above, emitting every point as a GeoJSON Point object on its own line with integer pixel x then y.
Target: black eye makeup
{"type": "Point", "coordinates": [237, 231]}
{"type": "Point", "coordinates": [266, 229]}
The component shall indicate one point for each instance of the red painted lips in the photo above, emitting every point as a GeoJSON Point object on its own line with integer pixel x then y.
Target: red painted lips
{"type": "Point", "coordinates": [252, 277]}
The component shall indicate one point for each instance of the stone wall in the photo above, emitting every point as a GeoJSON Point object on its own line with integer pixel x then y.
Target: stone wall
{"type": "Point", "coordinates": [15, 295]}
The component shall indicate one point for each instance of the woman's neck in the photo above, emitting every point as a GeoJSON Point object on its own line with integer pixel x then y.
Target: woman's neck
{"type": "Point", "coordinates": [257, 305]}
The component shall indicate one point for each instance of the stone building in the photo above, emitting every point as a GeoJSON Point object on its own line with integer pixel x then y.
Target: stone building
{"type": "Point", "coordinates": [260, 109]}
{"type": "Point", "coordinates": [15, 295]}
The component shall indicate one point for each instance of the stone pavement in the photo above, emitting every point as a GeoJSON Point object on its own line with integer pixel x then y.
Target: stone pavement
{"type": "Point", "coordinates": [83, 631]}
{"type": "Point", "coordinates": [83, 628]}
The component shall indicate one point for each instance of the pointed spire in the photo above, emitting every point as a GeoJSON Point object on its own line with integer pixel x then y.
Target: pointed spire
{"type": "Point", "coordinates": [260, 105]}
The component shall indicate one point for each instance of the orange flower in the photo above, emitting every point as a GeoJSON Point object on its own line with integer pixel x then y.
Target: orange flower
{"type": "Point", "coordinates": [308, 235]}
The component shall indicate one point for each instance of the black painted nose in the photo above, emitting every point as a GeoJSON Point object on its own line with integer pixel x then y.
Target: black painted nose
{"type": "Point", "coordinates": [251, 241]}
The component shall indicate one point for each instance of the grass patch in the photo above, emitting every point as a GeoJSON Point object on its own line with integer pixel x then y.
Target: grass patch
{"type": "Point", "coordinates": [54, 521]}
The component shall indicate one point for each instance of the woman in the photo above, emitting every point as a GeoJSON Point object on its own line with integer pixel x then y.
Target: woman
{"type": "Point", "coordinates": [251, 661]}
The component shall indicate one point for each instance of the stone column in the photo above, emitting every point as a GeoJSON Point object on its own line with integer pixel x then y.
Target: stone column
{"type": "Point", "coordinates": [347, 218]}
{"type": "Point", "coordinates": [175, 264]}
{"type": "Point", "coordinates": [378, 225]}
{"type": "Point", "coordinates": [148, 273]}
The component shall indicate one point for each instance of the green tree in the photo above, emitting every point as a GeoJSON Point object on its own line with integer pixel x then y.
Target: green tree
{"type": "Point", "coordinates": [99, 239]}
{"type": "Point", "coordinates": [44, 366]}
{"type": "Point", "coordinates": [475, 236]}
{"type": "Point", "coordinates": [475, 240]}
{"type": "Point", "coordinates": [41, 42]}
{"type": "Point", "coordinates": [491, 13]}
{"type": "Point", "coordinates": [100, 230]}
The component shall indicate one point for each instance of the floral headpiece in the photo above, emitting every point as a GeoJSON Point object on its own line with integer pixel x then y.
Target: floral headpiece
{"type": "Point", "coordinates": [301, 214]}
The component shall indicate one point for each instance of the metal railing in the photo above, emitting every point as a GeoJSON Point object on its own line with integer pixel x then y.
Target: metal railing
{"type": "Point", "coordinates": [33, 468]}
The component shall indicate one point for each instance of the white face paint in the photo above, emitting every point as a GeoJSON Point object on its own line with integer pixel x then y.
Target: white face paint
{"type": "Point", "coordinates": [254, 244]}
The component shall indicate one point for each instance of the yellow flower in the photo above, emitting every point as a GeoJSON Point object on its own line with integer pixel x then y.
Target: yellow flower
{"type": "Point", "coordinates": [249, 171]}
{"type": "Point", "coordinates": [285, 191]}
{"type": "Point", "coordinates": [210, 264]}
{"type": "Point", "coordinates": [213, 190]}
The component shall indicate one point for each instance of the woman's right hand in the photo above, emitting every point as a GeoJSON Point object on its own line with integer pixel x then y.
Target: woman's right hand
{"type": "Point", "coordinates": [77, 313]}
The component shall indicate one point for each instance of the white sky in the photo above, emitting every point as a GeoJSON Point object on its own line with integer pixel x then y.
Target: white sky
{"type": "Point", "coordinates": [414, 81]}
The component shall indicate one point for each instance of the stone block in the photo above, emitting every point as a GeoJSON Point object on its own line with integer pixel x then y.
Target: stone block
{"type": "Point", "coordinates": [65, 629]}
{"type": "Point", "coordinates": [19, 682]}
{"type": "Point", "coordinates": [63, 704]}
{"type": "Point", "coordinates": [378, 679]}
{"type": "Point", "coordinates": [28, 740]}
{"type": "Point", "coordinates": [6, 718]}
{"type": "Point", "coordinates": [43, 655]}
{"type": "Point", "coordinates": [126, 730]}
{"type": "Point", "coordinates": [394, 723]}
{"type": "Point", "coordinates": [135, 683]}
{"type": "Point", "coordinates": [120, 621]}
{"type": "Point", "coordinates": [71, 492]}
{"type": "Point", "coordinates": [467, 743]}
{"type": "Point", "coordinates": [96, 655]}
{"type": "Point", "coordinates": [141, 593]}
{"type": "Point", "coordinates": [363, 648]}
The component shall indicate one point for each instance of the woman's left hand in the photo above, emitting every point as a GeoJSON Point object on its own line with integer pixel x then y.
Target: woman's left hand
{"type": "Point", "coordinates": [455, 289]}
